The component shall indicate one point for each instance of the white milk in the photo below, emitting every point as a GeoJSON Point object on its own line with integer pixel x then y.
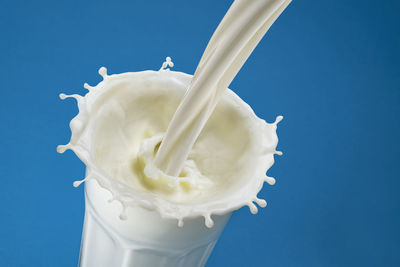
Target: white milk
{"type": "Point", "coordinates": [132, 219]}
{"type": "Point", "coordinates": [159, 192]}
{"type": "Point", "coordinates": [122, 120]}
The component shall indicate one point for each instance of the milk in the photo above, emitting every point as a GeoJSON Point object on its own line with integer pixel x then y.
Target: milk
{"type": "Point", "coordinates": [135, 220]}
{"type": "Point", "coordinates": [124, 117]}
{"type": "Point", "coordinates": [170, 156]}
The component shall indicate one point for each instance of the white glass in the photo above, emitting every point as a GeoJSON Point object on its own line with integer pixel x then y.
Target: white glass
{"type": "Point", "coordinates": [144, 239]}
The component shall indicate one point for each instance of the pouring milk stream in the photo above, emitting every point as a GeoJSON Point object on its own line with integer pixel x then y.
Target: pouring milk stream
{"type": "Point", "coordinates": [242, 28]}
{"type": "Point", "coordinates": [163, 148]}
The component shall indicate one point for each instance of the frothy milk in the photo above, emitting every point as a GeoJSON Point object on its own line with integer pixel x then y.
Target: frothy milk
{"type": "Point", "coordinates": [121, 123]}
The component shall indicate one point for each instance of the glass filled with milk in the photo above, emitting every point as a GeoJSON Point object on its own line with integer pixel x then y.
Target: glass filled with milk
{"type": "Point", "coordinates": [170, 156]}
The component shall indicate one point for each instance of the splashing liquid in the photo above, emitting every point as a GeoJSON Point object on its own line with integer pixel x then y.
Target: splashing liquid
{"type": "Point", "coordinates": [120, 125]}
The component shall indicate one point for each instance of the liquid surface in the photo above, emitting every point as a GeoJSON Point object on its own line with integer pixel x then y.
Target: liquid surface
{"type": "Point", "coordinates": [122, 120]}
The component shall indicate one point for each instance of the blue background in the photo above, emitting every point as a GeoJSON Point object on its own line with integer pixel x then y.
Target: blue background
{"type": "Point", "coordinates": [330, 67]}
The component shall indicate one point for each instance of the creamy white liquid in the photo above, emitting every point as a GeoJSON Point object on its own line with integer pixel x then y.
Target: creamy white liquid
{"type": "Point", "coordinates": [123, 118]}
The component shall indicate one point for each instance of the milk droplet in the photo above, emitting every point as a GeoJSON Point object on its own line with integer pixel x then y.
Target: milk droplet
{"type": "Point", "coordinates": [170, 63]}
{"type": "Point", "coordinates": [78, 183]}
{"type": "Point", "coordinates": [270, 180]}
{"type": "Point", "coordinates": [103, 72]}
{"type": "Point", "coordinates": [261, 202]}
{"type": "Point", "coordinates": [77, 97]}
{"type": "Point", "coordinates": [208, 221]}
{"type": "Point", "coordinates": [278, 119]}
{"type": "Point", "coordinates": [167, 63]}
{"type": "Point", "coordinates": [252, 207]}
{"type": "Point", "coordinates": [62, 148]}
{"type": "Point", "coordinates": [279, 153]}
{"type": "Point", "coordinates": [87, 86]}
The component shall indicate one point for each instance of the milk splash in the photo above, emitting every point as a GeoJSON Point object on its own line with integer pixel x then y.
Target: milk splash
{"type": "Point", "coordinates": [192, 192]}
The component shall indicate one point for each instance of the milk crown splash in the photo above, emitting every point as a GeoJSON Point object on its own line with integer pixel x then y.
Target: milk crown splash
{"type": "Point", "coordinates": [110, 95]}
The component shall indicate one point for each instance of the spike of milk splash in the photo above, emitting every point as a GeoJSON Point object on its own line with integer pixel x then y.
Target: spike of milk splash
{"type": "Point", "coordinates": [88, 87]}
{"type": "Point", "coordinates": [79, 182]}
{"type": "Point", "coordinates": [253, 208]}
{"type": "Point", "coordinates": [62, 148]}
{"type": "Point", "coordinates": [274, 125]}
{"type": "Point", "coordinates": [278, 119]}
{"type": "Point", "coordinates": [103, 72]}
{"type": "Point", "coordinates": [77, 97]}
{"type": "Point", "coordinates": [167, 63]}
{"type": "Point", "coordinates": [260, 202]}
{"type": "Point", "coordinates": [180, 222]}
{"type": "Point", "coordinates": [270, 180]}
